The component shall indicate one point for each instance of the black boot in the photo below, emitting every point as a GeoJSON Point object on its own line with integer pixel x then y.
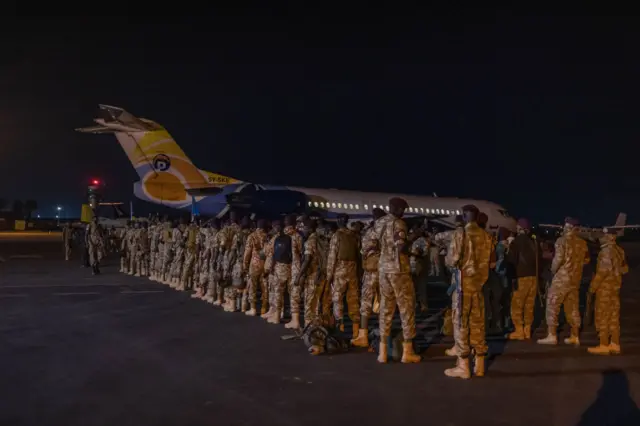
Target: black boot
{"type": "Point", "coordinates": [97, 269]}
{"type": "Point", "coordinates": [93, 270]}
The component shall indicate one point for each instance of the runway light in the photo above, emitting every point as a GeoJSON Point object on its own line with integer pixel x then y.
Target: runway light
{"type": "Point", "coordinates": [95, 182]}
{"type": "Point", "coordinates": [59, 208]}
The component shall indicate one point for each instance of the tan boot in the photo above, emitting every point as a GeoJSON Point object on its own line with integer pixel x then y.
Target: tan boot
{"type": "Point", "coordinates": [478, 367]}
{"type": "Point", "coordinates": [527, 332]}
{"type": "Point", "coordinates": [461, 370]}
{"type": "Point", "coordinates": [263, 309]}
{"type": "Point", "coordinates": [408, 355]}
{"type": "Point", "coordinates": [251, 312]}
{"type": "Point", "coordinates": [267, 314]}
{"type": "Point", "coordinates": [614, 349]}
{"type": "Point", "coordinates": [274, 318]}
{"type": "Point", "coordinates": [382, 353]}
{"type": "Point", "coordinates": [362, 340]}
{"type": "Point", "coordinates": [295, 321]}
{"type": "Point", "coordinates": [602, 348]}
{"type": "Point", "coordinates": [518, 334]}
{"type": "Point", "coordinates": [452, 351]}
{"type": "Point", "coordinates": [549, 340]}
{"type": "Point", "coordinates": [572, 340]}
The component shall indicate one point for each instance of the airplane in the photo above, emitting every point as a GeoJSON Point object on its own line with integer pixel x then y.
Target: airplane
{"type": "Point", "coordinates": [168, 177]}
{"type": "Point", "coordinates": [593, 234]}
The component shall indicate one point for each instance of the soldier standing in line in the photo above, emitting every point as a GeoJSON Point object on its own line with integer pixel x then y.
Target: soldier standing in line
{"type": "Point", "coordinates": [154, 247]}
{"type": "Point", "coordinates": [370, 281]}
{"type": "Point", "coordinates": [606, 286]}
{"type": "Point", "coordinates": [211, 254]}
{"type": "Point", "coordinates": [470, 255]}
{"type": "Point", "coordinates": [178, 243]}
{"type": "Point", "coordinates": [166, 245]}
{"type": "Point", "coordinates": [278, 268]}
{"type": "Point", "coordinates": [95, 243]}
{"type": "Point", "coordinates": [253, 265]}
{"type": "Point", "coordinates": [342, 274]}
{"type": "Point", "coordinates": [124, 248]}
{"type": "Point", "coordinates": [133, 244]}
{"type": "Point", "coordinates": [188, 269]}
{"type": "Point", "coordinates": [67, 238]}
{"type": "Point", "coordinates": [396, 287]}
{"type": "Point", "coordinates": [309, 278]}
{"type": "Point", "coordinates": [571, 254]}
{"type": "Point", "coordinates": [295, 292]}
{"type": "Point", "coordinates": [238, 292]}
{"type": "Point", "coordinates": [143, 250]}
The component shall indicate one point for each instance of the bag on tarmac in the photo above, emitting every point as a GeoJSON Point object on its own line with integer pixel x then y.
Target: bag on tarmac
{"type": "Point", "coordinates": [319, 340]}
{"type": "Point", "coordinates": [347, 246]}
{"type": "Point", "coordinates": [282, 249]}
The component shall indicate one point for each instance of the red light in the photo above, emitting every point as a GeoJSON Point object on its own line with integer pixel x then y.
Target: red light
{"type": "Point", "coordinates": [95, 182]}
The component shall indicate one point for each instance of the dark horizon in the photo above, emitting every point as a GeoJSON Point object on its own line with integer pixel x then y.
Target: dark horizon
{"type": "Point", "coordinates": [535, 114]}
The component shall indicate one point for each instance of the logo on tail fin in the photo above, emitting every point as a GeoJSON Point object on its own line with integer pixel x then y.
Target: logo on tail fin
{"type": "Point", "coordinates": [161, 163]}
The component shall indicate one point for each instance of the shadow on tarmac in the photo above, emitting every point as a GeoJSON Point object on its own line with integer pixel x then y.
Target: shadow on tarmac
{"type": "Point", "coordinates": [613, 405]}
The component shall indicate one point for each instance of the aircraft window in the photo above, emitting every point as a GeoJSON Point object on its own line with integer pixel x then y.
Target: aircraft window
{"type": "Point", "coordinates": [448, 212]}
{"type": "Point", "coordinates": [458, 212]}
{"type": "Point", "coordinates": [309, 203]}
{"type": "Point", "coordinates": [351, 206]}
{"type": "Point", "coordinates": [357, 207]}
{"type": "Point", "coordinates": [315, 204]}
{"type": "Point", "coordinates": [366, 207]}
{"type": "Point", "coordinates": [339, 205]}
{"type": "Point", "coordinates": [333, 205]}
{"type": "Point", "coordinates": [386, 207]}
{"type": "Point", "coordinates": [374, 206]}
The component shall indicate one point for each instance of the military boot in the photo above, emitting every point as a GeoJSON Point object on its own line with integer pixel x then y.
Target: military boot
{"type": "Point", "coordinates": [252, 311]}
{"type": "Point", "coordinates": [244, 302]}
{"type": "Point", "coordinates": [384, 346]}
{"type": "Point", "coordinates": [218, 301]}
{"type": "Point", "coordinates": [264, 308]}
{"type": "Point", "coordinates": [527, 332]}
{"type": "Point", "coordinates": [295, 321]}
{"type": "Point", "coordinates": [518, 334]}
{"type": "Point", "coordinates": [267, 314]}
{"type": "Point", "coordinates": [408, 355]}
{"type": "Point", "coordinates": [452, 351]}
{"type": "Point", "coordinates": [362, 340]}
{"type": "Point", "coordinates": [551, 339]}
{"type": "Point", "coordinates": [478, 366]}
{"type": "Point", "coordinates": [572, 340]}
{"type": "Point", "coordinates": [275, 317]}
{"type": "Point", "coordinates": [602, 348]}
{"type": "Point", "coordinates": [461, 370]}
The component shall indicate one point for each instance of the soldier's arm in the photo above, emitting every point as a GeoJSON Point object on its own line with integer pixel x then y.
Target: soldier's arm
{"type": "Point", "coordinates": [268, 264]}
{"type": "Point", "coordinates": [333, 253]}
{"type": "Point", "coordinates": [558, 257]}
{"type": "Point", "coordinates": [309, 252]}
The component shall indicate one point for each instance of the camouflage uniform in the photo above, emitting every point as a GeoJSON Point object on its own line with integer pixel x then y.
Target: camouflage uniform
{"type": "Point", "coordinates": [253, 258]}
{"type": "Point", "coordinates": [154, 246]}
{"type": "Point", "coordinates": [124, 249]}
{"type": "Point", "coordinates": [571, 254]}
{"type": "Point", "coordinates": [204, 254]}
{"type": "Point", "coordinates": [371, 276]}
{"type": "Point", "coordinates": [67, 237]}
{"type": "Point", "coordinates": [342, 274]}
{"type": "Point", "coordinates": [166, 252]}
{"type": "Point", "coordinates": [396, 286]}
{"type": "Point", "coordinates": [470, 253]}
{"type": "Point", "coordinates": [238, 276]}
{"type": "Point", "coordinates": [313, 283]}
{"type": "Point", "coordinates": [217, 262]}
{"type": "Point", "coordinates": [606, 285]}
{"type": "Point", "coordinates": [178, 244]}
{"type": "Point", "coordinates": [326, 311]}
{"type": "Point", "coordinates": [295, 296]}
{"type": "Point", "coordinates": [142, 259]}
{"type": "Point", "coordinates": [188, 269]}
{"type": "Point", "coordinates": [419, 254]}
{"type": "Point", "coordinates": [95, 244]}
{"type": "Point", "coordinates": [132, 245]}
{"type": "Point", "coordinates": [279, 276]}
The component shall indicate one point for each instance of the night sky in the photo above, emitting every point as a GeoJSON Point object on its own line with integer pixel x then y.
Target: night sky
{"type": "Point", "coordinates": [540, 115]}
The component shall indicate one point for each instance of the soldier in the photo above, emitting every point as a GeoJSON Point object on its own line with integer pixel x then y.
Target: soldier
{"type": "Point", "coordinates": [67, 238]}
{"type": "Point", "coordinates": [95, 243]}
{"type": "Point", "coordinates": [571, 254]}
{"type": "Point", "coordinates": [166, 252]}
{"type": "Point", "coordinates": [419, 254]}
{"type": "Point", "coordinates": [342, 274]}
{"type": "Point", "coordinates": [132, 246]}
{"type": "Point", "coordinates": [203, 261]}
{"type": "Point", "coordinates": [178, 244]}
{"type": "Point", "coordinates": [143, 250]}
{"type": "Point", "coordinates": [396, 286]}
{"type": "Point", "coordinates": [226, 237]}
{"type": "Point", "coordinates": [492, 289]}
{"type": "Point", "coordinates": [434, 258]}
{"type": "Point", "coordinates": [190, 253]}
{"type": "Point", "coordinates": [238, 292]}
{"type": "Point", "coordinates": [253, 258]}
{"type": "Point", "coordinates": [523, 256]}
{"type": "Point", "coordinates": [606, 286]}
{"type": "Point", "coordinates": [211, 253]}
{"type": "Point", "coordinates": [277, 267]}
{"type": "Point", "coordinates": [295, 292]}
{"type": "Point", "coordinates": [370, 280]}
{"type": "Point", "coordinates": [470, 255]}
{"type": "Point", "coordinates": [124, 248]}
{"type": "Point", "coordinates": [324, 234]}
{"type": "Point", "coordinates": [154, 247]}
{"type": "Point", "coordinates": [309, 278]}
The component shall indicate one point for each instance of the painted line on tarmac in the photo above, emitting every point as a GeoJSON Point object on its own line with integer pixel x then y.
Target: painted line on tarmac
{"type": "Point", "coordinates": [76, 294]}
{"type": "Point", "coordinates": [141, 291]}
{"type": "Point", "coordinates": [14, 295]}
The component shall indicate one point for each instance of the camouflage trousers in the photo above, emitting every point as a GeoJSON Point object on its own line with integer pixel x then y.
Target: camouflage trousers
{"type": "Point", "coordinates": [203, 273]}
{"type": "Point", "coordinates": [397, 289]}
{"type": "Point", "coordinates": [469, 321]}
{"type": "Point", "coordinates": [132, 256]}
{"type": "Point", "coordinates": [257, 281]}
{"type": "Point", "coordinates": [370, 288]}
{"type": "Point", "coordinates": [345, 280]}
{"type": "Point", "coordinates": [523, 300]}
{"type": "Point", "coordinates": [295, 294]}
{"type": "Point", "coordinates": [176, 264]}
{"type": "Point", "coordinates": [561, 293]}
{"type": "Point", "coordinates": [167, 261]}
{"type": "Point", "coordinates": [95, 253]}
{"type": "Point", "coordinates": [124, 261]}
{"type": "Point", "coordinates": [279, 280]}
{"type": "Point", "coordinates": [67, 249]}
{"type": "Point", "coordinates": [142, 262]}
{"type": "Point", "coordinates": [434, 262]}
{"type": "Point", "coordinates": [313, 288]}
{"type": "Point", "coordinates": [607, 313]}
{"type": "Point", "coordinates": [326, 303]}
{"type": "Point", "coordinates": [188, 268]}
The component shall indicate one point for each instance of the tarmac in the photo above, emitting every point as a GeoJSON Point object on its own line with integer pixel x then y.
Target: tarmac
{"type": "Point", "coordinates": [119, 350]}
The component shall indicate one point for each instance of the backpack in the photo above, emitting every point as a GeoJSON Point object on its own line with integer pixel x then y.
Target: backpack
{"type": "Point", "coordinates": [347, 246]}
{"type": "Point", "coordinates": [282, 249]}
{"type": "Point", "coordinates": [319, 339]}
{"type": "Point", "coordinates": [322, 250]}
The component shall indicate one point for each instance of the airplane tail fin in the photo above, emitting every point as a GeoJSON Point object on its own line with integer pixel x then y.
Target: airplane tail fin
{"type": "Point", "coordinates": [621, 221]}
{"type": "Point", "coordinates": [166, 173]}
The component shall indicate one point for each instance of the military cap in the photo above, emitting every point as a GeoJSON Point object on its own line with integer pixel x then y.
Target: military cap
{"type": "Point", "coordinates": [378, 213]}
{"type": "Point", "coordinates": [470, 208]}
{"type": "Point", "coordinates": [398, 202]}
{"type": "Point", "coordinates": [458, 219]}
{"type": "Point", "coordinates": [482, 218]}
